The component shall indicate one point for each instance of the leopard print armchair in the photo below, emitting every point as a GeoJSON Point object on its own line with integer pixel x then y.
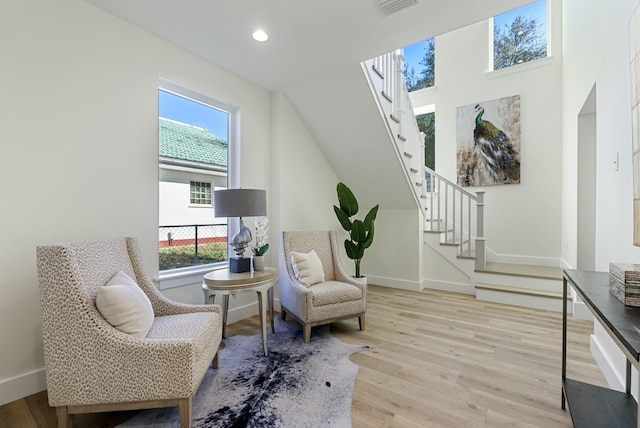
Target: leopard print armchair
{"type": "Point", "coordinates": [94, 367]}
{"type": "Point", "coordinates": [338, 297]}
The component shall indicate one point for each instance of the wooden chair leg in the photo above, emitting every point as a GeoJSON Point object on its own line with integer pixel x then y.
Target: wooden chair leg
{"type": "Point", "coordinates": [64, 418]}
{"type": "Point", "coordinates": [185, 406]}
{"type": "Point", "coordinates": [307, 333]}
{"type": "Point", "coordinates": [283, 314]}
{"type": "Point", "coordinates": [361, 321]}
{"type": "Point", "coordinates": [216, 360]}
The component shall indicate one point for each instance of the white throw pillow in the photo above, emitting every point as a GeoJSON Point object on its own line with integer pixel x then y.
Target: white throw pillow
{"type": "Point", "coordinates": [125, 306]}
{"type": "Point", "coordinates": [307, 267]}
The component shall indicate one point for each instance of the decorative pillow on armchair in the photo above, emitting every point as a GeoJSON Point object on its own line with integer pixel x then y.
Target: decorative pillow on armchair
{"type": "Point", "coordinates": [307, 267]}
{"type": "Point", "coordinates": [125, 306]}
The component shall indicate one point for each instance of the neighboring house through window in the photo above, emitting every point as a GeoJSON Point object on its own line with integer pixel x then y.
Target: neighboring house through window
{"type": "Point", "coordinates": [193, 161]}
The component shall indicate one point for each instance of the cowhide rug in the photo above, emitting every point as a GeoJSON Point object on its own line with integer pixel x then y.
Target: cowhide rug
{"type": "Point", "coordinates": [297, 385]}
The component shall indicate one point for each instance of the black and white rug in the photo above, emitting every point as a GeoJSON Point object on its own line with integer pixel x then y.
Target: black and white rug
{"type": "Point", "coordinates": [297, 385]}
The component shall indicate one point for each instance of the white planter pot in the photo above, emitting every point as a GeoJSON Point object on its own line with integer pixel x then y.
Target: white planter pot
{"type": "Point", "coordinates": [362, 280]}
{"type": "Point", "coordinates": [258, 263]}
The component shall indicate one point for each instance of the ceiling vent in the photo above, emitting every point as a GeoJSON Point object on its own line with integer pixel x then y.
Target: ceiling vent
{"type": "Point", "coordinates": [389, 7]}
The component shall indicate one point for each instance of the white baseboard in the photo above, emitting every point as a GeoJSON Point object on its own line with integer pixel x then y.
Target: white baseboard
{"type": "Point", "coordinates": [22, 386]}
{"type": "Point", "coordinates": [522, 260]}
{"type": "Point", "coordinates": [565, 264]}
{"type": "Point", "coordinates": [402, 284]}
{"type": "Point", "coordinates": [605, 365]}
{"type": "Point", "coordinates": [581, 312]}
{"type": "Point", "coordinates": [247, 311]}
{"type": "Point", "coordinates": [453, 287]}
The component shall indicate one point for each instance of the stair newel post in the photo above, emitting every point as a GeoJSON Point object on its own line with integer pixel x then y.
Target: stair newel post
{"type": "Point", "coordinates": [439, 203]}
{"type": "Point", "coordinates": [480, 240]}
{"type": "Point", "coordinates": [446, 212]}
{"type": "Point", "coordinates": [431, 192]}
{"type": "Point", "coordinates": [461, 222]}
{"type": "Point", "coordinates": [469, 225]}
{"type": "Point", "coordinates": [453, 213]}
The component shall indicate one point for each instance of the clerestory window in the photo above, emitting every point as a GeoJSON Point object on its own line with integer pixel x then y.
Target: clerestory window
{"type": "Point", "coordinates": [419, 65]}
{"type": "Point", "coordinates": [520, 35]}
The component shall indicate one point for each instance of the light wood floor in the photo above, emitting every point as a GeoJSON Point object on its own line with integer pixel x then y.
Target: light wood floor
{"type": "Point", "coordinates": [437, 360]}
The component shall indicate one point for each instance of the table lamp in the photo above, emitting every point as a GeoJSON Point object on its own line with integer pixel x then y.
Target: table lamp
{"type": "Point", "coordinates": [240, 203]}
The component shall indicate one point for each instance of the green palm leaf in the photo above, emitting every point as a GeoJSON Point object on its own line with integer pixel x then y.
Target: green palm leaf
{"type": "Point", "coordinates": [347, 200]}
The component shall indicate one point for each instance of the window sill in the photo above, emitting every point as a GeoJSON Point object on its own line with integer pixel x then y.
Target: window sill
{"type": "Point", "coordinates": [543, 62]}
{"type": "Point", "coordinates": [424, 91]}
{"type": "Point", "coordinates": [185, 276]}
{"type": "Point", "coordinates": [200, 206]}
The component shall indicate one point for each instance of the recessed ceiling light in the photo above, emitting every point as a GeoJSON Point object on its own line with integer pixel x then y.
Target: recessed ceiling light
{"type": "Point", "coordinates": [260, 36]}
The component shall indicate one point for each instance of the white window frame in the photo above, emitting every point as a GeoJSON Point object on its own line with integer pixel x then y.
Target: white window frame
{"type": "Point", "coordinates": [525, 65]}
{"type": "Point", "coordinates": [193, 274]}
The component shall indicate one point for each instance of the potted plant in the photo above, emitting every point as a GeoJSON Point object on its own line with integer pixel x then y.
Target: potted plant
{"type": "Point", "coordinates": [360, 232]}
{"type": "Point", "coordinates": [261, 246]}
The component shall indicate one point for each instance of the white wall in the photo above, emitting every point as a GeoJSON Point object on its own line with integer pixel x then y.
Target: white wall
{"type": "Point", "coordinates": [80, 150]}
{"type": "Point", "coordinates": [596, 46]}
{"type": "Point", "coordinates": [441, 274]}
{"type": "Point", "coordinates": [523, 219]}
{"type": "Point", "coordinates": [394, 259]}
{"type": "Point", "coordinates": [592, 59]}
{"type": "Point", "coordinates": [305, 182]}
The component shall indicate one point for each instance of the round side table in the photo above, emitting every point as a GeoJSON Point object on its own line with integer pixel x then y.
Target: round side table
{"type": "Point", "coordinates": [226, 283]}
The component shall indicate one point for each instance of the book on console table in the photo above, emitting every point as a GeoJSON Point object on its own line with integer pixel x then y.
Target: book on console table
{"type": "Point", "coordinates": [624, 283]}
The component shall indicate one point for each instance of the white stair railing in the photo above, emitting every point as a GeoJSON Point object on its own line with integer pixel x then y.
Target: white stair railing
{"type": "Point", "coordinates": [448, 208]}
{"type": "Point", "coordinates": [455, 212]}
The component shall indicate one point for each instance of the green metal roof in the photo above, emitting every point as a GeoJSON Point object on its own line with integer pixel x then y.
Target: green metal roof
{"type": "Point", "coordinates": [191, 143]}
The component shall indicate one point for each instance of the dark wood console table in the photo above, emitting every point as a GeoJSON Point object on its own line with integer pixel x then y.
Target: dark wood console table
{"type": "Point", "coordinates": [590, 405]}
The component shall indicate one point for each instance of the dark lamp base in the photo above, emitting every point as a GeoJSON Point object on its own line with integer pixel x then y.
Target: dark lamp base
{"type": "Point", "coordinates": [239, 264]}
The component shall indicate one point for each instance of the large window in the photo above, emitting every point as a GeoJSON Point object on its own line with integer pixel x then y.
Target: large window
{"type": "Point", "coordinates": [419, 65]}
{"type": "Point", "coordinates": [520, 35]}
{"type": "Point", "coordinates": [193, 162]}
{"type": "Point", "coordinates": [427, 125]}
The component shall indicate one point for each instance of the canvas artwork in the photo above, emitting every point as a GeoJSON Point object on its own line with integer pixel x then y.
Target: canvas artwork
{"type": "Point", "coordinates": [489, 142]}
{"type": "Point", "coordinates": [634, 32]}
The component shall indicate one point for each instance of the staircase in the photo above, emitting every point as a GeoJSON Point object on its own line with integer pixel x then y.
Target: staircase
{"type": "Point", "coordinates": [453, 217]}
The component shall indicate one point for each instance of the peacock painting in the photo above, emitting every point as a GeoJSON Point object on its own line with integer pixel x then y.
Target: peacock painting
{"type": "Point", "coordinates": [489, 150]}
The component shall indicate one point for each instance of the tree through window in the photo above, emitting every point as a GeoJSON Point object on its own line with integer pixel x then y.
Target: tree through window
{"type": "Point", "coordinates": [419, 65]}
{"type": "Point", "coordinates": [520, 35]}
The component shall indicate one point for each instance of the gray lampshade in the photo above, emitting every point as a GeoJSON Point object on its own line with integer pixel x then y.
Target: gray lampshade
{"type": "Point", "coordinates": [240, 203]}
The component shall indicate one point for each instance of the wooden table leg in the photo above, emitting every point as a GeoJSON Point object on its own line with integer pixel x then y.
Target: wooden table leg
{"type": "Point", "coordinates": [270, 294]}
{"type": "Point", "coordinates": [225, 312]}
{"type": "Point", "coordinates": [564, 340]}
{"type": "Point", "coordinates": [262, 305]}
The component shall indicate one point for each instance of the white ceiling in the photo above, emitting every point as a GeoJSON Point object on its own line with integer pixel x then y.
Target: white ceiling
{"type": "Point", "coordinates": [306, 37]}
{"type": "Point", "coordinates": [313, 56]}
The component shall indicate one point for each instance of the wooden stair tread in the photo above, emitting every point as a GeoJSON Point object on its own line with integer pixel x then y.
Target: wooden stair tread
{"type": "Point", "coordinates": [467, 255]}
{"type": "Point", "coordinates": [531, 271]}
{"type": "Point", "coordinates": [454, 243]}
{"type": "Point", "coordinates": [520, 290]}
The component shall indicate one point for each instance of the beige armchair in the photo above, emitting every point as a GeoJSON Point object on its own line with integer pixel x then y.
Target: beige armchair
{"type": "Point", "coordinates": [338, 297]}
{"type": "Point", "coordinates": [92, 366]}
